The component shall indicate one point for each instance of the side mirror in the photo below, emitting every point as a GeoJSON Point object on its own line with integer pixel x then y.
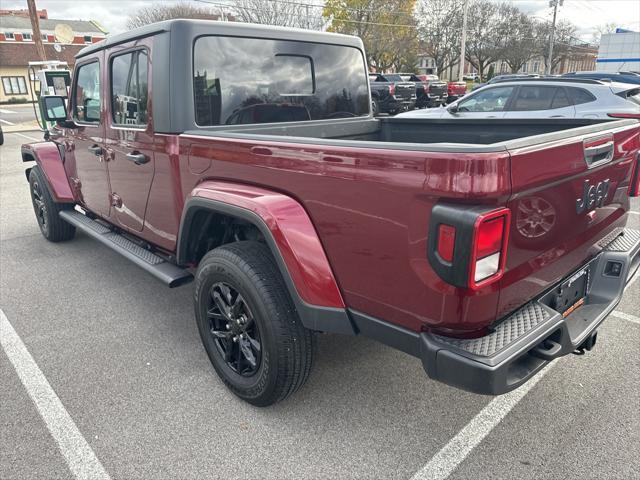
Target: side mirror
{"type": "Point", "coordinates": [453, 108]}
{"type": "Point", "coordinates": [53, 108]}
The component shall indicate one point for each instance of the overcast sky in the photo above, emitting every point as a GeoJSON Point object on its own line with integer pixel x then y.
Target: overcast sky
{"type": "Point", "coordinates": [587, 15]}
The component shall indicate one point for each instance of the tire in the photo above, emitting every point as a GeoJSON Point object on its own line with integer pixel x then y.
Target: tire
{"type": "Point", "coordinates": [240, 282]}
{"type": "Point", "coordinates": [52, 227]}
{"type": "Point", "coordinates": [375, 107]}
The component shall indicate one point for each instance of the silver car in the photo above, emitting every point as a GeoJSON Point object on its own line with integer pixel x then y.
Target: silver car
{"type": "Point", "coordinates": [543, 98]}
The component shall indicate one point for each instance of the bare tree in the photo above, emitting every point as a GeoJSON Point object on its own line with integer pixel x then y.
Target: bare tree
{"type": "Point", "coordinates": [285, 13]}
{"type": "Point", "coordinates": [602, 30]}
{"type": "Point", "coordinates": [484, 36]}
{"type": "Point", "coordinates": [564, 41]}
{"type": "Point", "coordinates": [158, 12]}
{"type": "Point", "coordinates": [518, 38]}
{"type": "Point", "coordinates": [440, 31]}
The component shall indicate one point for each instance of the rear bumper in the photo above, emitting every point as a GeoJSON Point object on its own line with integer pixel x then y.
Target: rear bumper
{"type": "Point", "coordinates": [530, 338]}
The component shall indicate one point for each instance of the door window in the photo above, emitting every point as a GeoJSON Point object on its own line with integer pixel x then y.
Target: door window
{"type": "Point", "coordinates": [489, 100]}
{"type": "Point", "coordinates": [129, 88]}
{"type": "Point", "coordinates": [538, 97]}
{"type": "Point", "coordinates": [86, 96]}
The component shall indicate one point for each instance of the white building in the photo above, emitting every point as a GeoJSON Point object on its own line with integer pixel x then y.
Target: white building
{"type": "Point", "coordinates": [619, 51]}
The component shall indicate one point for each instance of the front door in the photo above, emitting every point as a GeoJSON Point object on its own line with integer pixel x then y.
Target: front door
{"type": "Point", "coordinates": [89, 177]}
{"type": "Point", "coordinates": [129, 138]}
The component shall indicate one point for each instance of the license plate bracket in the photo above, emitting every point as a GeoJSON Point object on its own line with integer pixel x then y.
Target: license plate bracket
{"type": "Point", "coordinates": [571, 294]}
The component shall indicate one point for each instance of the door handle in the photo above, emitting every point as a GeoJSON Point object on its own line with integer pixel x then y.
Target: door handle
{"type": "Point", "coordinates": [95, 149]}
{"type": "Point", "coordinates": [261, 151]}
{"type": "Point", "coordinates": [137, 158]}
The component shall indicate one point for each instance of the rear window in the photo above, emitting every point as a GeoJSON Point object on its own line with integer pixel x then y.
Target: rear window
{"type": "Point", "coordinates": [393, 78]}
{"type": "Point", "coordinates": [247, 80]}
{"type": "Point", "coordinates": [633, 95]}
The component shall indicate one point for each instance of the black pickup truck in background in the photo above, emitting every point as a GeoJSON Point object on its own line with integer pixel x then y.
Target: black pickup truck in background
{"type": "Point", "coordinates": [430, 90]}
{"type": "Point", "coordinates": [391, 94]}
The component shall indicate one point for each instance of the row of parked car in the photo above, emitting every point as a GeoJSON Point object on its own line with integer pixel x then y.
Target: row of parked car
{"type": "Point", "coordinates": [573, 95]}
{"type": "Point", "coordinates": [398, 92]}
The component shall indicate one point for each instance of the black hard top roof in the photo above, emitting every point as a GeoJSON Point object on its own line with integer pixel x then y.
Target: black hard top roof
{"type": "Point", "coordinates": [224, 28]}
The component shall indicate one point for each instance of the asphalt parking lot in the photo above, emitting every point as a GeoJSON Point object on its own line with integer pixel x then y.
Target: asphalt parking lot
{"type": "Point", "coordinates": [126, 387]}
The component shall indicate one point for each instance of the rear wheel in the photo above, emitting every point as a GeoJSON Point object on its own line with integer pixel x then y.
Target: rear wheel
{"type": "Point", "coordinates": [375, 106]}
{"type": "Point", "coordinates": [249, 325]}
{"type": "Point", "coordinates": [53, 228]}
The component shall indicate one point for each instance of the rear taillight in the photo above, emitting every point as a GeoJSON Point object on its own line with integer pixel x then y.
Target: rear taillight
{"type": "Point", "coordinates": [425, 88]}
{"type": "Point", "coordinates": [446, 242]}
{"type": "Point", "coordinates": [467, 245]}
{"type": "Point", "coordinates": [625, 115]}
{"type": "Point", "coordinates": [392, 89]}
{"type": "Point", "coordinates": [489, 247]}
{"type": "Point", "coordinates": [634, 184]}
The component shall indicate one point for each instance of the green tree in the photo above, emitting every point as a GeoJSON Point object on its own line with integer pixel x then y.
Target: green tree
{"type": "Point", "coordinates": [388, 29]}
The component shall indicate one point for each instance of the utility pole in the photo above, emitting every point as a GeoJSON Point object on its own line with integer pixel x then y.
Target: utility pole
{"type": "Point", "coordinates": [554, 4]}
{"type": "Point", "coordinates": [463, 42]}
{"type": "Point", "coordinates": [35, 26]}
{"type": "Point", "coordinates": [306, 6]}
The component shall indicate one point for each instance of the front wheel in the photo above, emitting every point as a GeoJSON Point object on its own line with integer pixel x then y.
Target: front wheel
{"type": "Point", "coordinates": [52, 227]}
{"type": "Point", "coordinates": [248, 324]}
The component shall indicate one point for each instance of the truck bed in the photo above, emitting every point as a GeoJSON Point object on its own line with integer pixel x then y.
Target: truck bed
{"type": "Point", "coordinates": [413, 134]}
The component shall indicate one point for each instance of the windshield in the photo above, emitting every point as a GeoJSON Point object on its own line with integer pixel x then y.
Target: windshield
{"type": "Point", "coordinates": [393, 77]}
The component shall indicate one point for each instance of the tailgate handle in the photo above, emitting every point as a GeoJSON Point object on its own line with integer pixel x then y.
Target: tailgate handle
{"type": "Point", "coordinates": [261, 151]}
{"type": "Point", "coordinates": [598, 152]}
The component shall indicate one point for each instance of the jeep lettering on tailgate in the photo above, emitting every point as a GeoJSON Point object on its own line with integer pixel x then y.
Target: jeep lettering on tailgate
{"type": "Point", "coordinates": [592, 196]}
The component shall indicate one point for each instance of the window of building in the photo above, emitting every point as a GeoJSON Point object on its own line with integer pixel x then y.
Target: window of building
{"type": "Point", "coordinates": [27, 37]}
{"type": "Point", "coordinates": [14, 85]}
{"type": "Point", "coordinates": [536, 67]}
{"type": "Point", "coordinates": [246, 80]}
{"type": "Point", "coordinates": [86, 95]}
{"type": "Point", "coordinates": [129, 88]}
{"type": "Point", "coordinates": [9, 36]}
{"type": "Point", "coordinates": [88, 39]}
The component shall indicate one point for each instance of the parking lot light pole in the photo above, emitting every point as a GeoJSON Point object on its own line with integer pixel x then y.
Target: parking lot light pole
{"type": "Point", "coordinates": [464, 40]}
{"type": "Point", "coordinates": [554, 4]}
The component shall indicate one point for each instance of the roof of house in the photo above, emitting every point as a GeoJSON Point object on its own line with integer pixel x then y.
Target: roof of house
{"type": "Point", "coordinates": [19, 54]}
{"type": "Point", "coordinates": [10, 22]}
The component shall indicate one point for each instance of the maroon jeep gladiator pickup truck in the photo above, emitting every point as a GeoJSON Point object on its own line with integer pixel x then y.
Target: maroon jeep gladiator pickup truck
{"type": "Point", "coordinates": [246, 158]}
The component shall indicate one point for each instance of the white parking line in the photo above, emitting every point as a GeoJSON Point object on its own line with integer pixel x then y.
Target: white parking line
{"type": "Point", "coordinates": [4, 110]}
{"type": "Point", "coordinates": [443, 463]}
{"type": "Point", "coordinates": [6, 121]}
{"type": "Point", "coordinates": [626, 316]}
{"type": "Point", "coordinates": [458, 448]}
{"type": "Point", "coordinates": [81, 460]}
{"type": "Point", "coordinates": [28, 137]}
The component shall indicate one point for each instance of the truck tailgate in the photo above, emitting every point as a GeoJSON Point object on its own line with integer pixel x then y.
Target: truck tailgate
{"type": "Point", "coordinates": [567, 195]}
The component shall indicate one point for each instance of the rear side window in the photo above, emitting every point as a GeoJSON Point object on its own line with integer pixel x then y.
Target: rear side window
{"type": "Point", "coordinates": [86, 95]}
{"type": "Point", "coordinates": [247, 80]}
{"type": "Point", "coordinates": [129, 86]}
{"type": "Point", "coordinates": [633, 95]}
{"type": "Point", "coordinates": [580, 95]}
{"type": "Point", "coordinates": [538, 97]}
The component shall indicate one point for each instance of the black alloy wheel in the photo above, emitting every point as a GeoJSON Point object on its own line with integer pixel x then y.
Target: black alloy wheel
{"type": "Point", "coordinates": [232, 326]}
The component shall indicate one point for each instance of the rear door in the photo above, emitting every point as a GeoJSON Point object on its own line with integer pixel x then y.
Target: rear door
{"type": "Point", "coordinates": [540, 101]}
{"type": "Point", "coordinates": [129, 138]}
{"type": "Point", "coordinates": [568, 194]}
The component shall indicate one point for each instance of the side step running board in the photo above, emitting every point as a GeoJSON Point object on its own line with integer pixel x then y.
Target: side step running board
{"type": "Point", "coordinates": [168, 273]}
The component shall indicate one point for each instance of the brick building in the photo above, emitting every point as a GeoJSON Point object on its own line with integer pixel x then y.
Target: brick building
{"type": "Point", "coordinates": [17, 48]}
